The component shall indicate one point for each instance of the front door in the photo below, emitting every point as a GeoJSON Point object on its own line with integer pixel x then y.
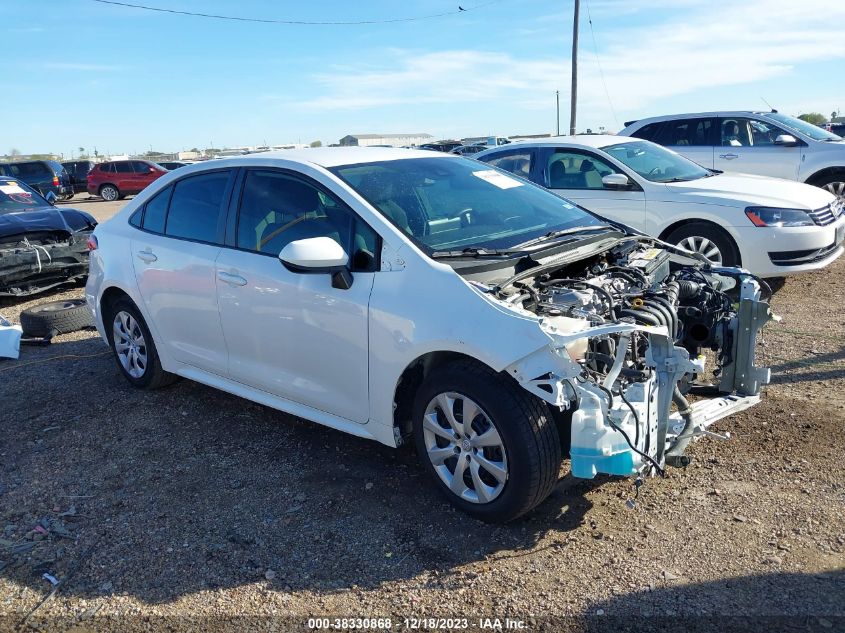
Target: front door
{"type": "Point", "coordinates": [577, 175]}
{"type": "Point", "coordinates": [748, 147]}
{"type": "Point", "coordinates": [290, 333]}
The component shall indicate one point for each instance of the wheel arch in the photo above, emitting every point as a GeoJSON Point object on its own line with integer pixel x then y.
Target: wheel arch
{"type": "Point", "coordinates": [822, 174]}
{"type": "Point", "coordinates": [412, 377]}
{"type": "Point", "coordinates": [665, 233]}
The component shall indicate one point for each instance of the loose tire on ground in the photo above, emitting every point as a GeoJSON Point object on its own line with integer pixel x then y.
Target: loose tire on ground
{"type": "Point", "coordinates": [153, 375]}
{"type": "Point", "coordinates": [527, 431]}
{"type": "Point", "coordinates": [63, 316]}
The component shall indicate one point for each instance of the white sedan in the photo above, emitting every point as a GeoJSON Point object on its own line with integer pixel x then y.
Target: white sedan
{"type": "Point", "coordinates": [769, 226]}
{"type": "Point", "coordinates": [409, 295]}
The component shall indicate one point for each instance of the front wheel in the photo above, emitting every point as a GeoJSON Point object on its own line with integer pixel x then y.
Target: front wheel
{"type": "Point", "coordinates": [491, 447]}
{"type": "Point", "coordinates": [834, 184]}
{"type": "Point", "coordinates": [708, 240]}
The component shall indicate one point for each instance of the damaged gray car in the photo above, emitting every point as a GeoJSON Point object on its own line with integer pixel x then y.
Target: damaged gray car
{"type": "Point", "coordinates": [41, 246]}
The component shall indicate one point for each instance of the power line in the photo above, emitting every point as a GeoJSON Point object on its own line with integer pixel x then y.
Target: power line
{"type": "Point", "coordinates": [235, 18]}
{"type": "Point", "coordinates": [598, 63]}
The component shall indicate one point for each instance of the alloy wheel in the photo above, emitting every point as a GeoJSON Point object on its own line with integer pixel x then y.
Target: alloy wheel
{"type": "Point", "coordinates": [703, 246]}
{"type": "Point", "coordinates": [837, 188]}
{"type": "Point", "coordinates": [109, 194]}
{"type": "Point", "coordinates": [465, 448]}
{"type": "Point", "coordinates": [129, 344]}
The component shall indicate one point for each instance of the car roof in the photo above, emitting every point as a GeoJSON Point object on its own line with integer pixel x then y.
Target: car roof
{"type": "Point", "coordinates": [592, 141]}
{"type": "Point", "coordinates": [329, 156]}
{"type": "Point", "coordinates": [691, 115]}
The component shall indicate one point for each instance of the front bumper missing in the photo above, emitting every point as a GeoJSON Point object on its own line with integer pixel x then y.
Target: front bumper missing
{"type": "Point", "coordinates": [622, 436]}
{"type": "Point", "coordinates": [27, 268]}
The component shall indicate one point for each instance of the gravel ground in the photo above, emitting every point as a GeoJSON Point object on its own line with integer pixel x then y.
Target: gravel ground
{"type": "Point", "coordinates": [187, 506]}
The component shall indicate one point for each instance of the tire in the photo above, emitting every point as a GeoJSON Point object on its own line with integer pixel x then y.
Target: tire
{"type": "Point", "coordinates": [833, 183]}
{"type": "Point", "coordinates": [146, 375]}
{"type": "Point", "coordinates": [62, 316]}
{"type": "Point", "coordinates": [704, 237]}
{"type": "Point", "coordinates": [109, 193]}
{"type": "Point", "coordinates": [525, 452]}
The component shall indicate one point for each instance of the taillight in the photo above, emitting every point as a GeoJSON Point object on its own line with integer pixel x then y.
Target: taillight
{"type": "Point", "coordinates": [92, 243]}
{"type": "Point", "coordinates": [55, 180]}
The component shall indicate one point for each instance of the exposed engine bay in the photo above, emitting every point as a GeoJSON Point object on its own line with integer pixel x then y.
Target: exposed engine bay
{"type": "Point", "coordinates": [637, 329]}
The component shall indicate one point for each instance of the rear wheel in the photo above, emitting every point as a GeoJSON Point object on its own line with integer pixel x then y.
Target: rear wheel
{"type": "Point", "coordinates": [109, 193]}
{"type": "Point", "coordinates": [491, 447]}
{"type": "Point", "coordinates": [708, 240]}
{"type": "Point", "coordinates": [133, 347]}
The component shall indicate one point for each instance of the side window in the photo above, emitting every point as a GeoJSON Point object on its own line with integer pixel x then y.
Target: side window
{"type": "Point", "coordinates": [686, 133]}
{"type": "Point", "coordinates": [577, 170]}
{"type": "Point", "coordinates": [195, 207]}
{"type": "Point", "coordinates": [140, 167]}
{"type": "Point", "coordinates": [122, 167]}
{"type": "Point", "coordinates": [155, 211]}
{"type": "Point", "coordinates": [107, 168]}
{"type": "Point", "coordinates": [277, 209]}
{"type": "Point", "coordinates": [734, 133]}
{"type": "Point", "coordinates": [763, 133]}
{"type": "Point", "coordinates": [649, 132]}
{"type": "Point", "coordinates": [518, 163]}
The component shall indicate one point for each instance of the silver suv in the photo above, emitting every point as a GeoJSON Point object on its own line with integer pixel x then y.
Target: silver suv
{"type": "Point", "coordinates": [764, 143]}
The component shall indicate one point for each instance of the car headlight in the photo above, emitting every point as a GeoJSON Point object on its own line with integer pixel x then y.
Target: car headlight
{"type": "Point", "coordinates": [774, 216]}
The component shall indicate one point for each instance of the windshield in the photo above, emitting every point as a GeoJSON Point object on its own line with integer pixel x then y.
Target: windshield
{"type": "Point", "coordinates": [16, 196]}
{"type": "Point", "coordinates": [807, 129]}
{"type": "Point", "coordinates": [656, 163]}
{"type": "Point", "coordinates": [448, 204]}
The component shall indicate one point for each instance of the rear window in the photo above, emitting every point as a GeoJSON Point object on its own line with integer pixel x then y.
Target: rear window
{"type": "Point", "coordinates": [155, 211]}
{"type": "Point", "coordinates": [107, 167]}
{"type": "Point", "coordinates": [123, 167]}
{"type": "Point", "coordinates": [30, 170]}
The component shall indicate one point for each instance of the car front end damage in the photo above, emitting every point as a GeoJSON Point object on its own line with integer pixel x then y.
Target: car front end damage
{"type": "Point", "coordinates": [628, 331]}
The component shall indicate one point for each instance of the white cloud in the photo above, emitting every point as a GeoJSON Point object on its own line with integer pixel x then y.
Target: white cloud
{"type": "Point", "coordinates": [703, 46]}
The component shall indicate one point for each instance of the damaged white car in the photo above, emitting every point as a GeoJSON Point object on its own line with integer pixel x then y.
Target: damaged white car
{"type": "Point", "coordinates": [401, 295]}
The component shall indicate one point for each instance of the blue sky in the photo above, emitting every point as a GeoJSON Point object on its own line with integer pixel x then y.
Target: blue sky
{"type": "Point", "coordinates": [79, 73]}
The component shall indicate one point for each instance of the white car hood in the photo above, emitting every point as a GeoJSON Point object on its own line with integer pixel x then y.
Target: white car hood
{"type": "Point", "coordinates": [746, 189]}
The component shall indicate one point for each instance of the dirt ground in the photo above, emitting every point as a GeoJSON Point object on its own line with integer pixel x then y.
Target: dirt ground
{"type": "Point", "coordinates": [188, 507]}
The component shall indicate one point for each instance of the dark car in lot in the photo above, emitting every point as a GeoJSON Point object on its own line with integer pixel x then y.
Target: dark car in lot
{"type": "Point", "coordinates": [118, 178]}
{"type": "Point", "coordinates": [41, 246]}
{"type": "Point", "coordinates": [468, 150]}
{"type": "Point", "coordinates": [77, 171]}
{"type": "Point", "coordinates": [170, 165]}
{"type": "Point", "coordinates": [42, 175]}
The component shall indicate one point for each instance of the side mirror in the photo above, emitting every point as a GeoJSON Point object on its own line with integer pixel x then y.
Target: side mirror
{"type": "Point", "coordinates": [787, 140]}
{"type": "Point", "coordinates": [616, 181]}
{"type": "Point", "coordinates": [51, 198]}
{"type": "Point", "coordinates": [318, 255]}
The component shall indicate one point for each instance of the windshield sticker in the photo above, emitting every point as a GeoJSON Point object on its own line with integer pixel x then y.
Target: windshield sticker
{"type": "Point", "coordinates": [495, 178]}
{"type": "Point", "coordinates": [11, 188]}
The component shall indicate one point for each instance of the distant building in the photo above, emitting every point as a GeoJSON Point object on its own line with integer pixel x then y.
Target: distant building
{"type": "Point", "coordinates": [395, 140]}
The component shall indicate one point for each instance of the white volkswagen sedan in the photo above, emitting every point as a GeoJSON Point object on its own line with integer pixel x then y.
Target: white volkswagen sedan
{"type": "Point", "coordinates": [396, 294]}
{"type": "Point", "coordinates": [769, 226]}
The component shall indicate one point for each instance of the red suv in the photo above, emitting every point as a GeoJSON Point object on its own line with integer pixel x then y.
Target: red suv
{"type": "Point", "coordinates": [119, 178]}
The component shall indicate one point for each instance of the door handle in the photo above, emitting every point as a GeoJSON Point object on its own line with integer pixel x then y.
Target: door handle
{"type": "Point", "coordinates": [728, 156]}
{"type": "Point", "coordinates": [229, 278]}
{"type": "Point", "coordinates": [147, 256]}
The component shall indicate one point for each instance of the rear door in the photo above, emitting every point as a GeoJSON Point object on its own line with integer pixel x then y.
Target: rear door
{"type": "Point", "coordinates": [577, 175]}
{"type": "Point", "coordinates": [748, 146]}
{"type": "Point", "coordinates": [693, 138]}
{"type": "Point", "coordinates": [124, 177]}
{"type": "Point", "coordinates": [174, 256]}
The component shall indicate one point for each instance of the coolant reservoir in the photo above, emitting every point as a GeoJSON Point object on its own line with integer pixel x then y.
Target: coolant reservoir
{"type": "Point", "coordinates": [567, 325]}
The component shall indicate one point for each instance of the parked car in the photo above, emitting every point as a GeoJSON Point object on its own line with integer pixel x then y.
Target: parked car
{"type": "Point", "coordinates": [170, 165]}
{"type": "Point", "coordinates": [42, 175]}
{"type": "Point", "coordinates": [444, 146]}
{"type": "Point", "coordinates": [770, 226]}
{"type": "Point", "coordinates": [468, 150]}
{"type": "Point", "coordinates": [77, 171]}
{"type": "Point", "coordinates": [116, 179]}
{"type": "Point", "coordinates": [763, 143]}
{"type": "Point", "coordinates": [406, 295]}
{"type": "Point", "coordinates": [41, 246]}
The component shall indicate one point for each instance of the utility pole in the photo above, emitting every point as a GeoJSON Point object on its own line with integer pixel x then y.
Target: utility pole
{"type": "Point", "coordinates": [557, 102]}
{"type": "Point", "coordinates": [574, 97]}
